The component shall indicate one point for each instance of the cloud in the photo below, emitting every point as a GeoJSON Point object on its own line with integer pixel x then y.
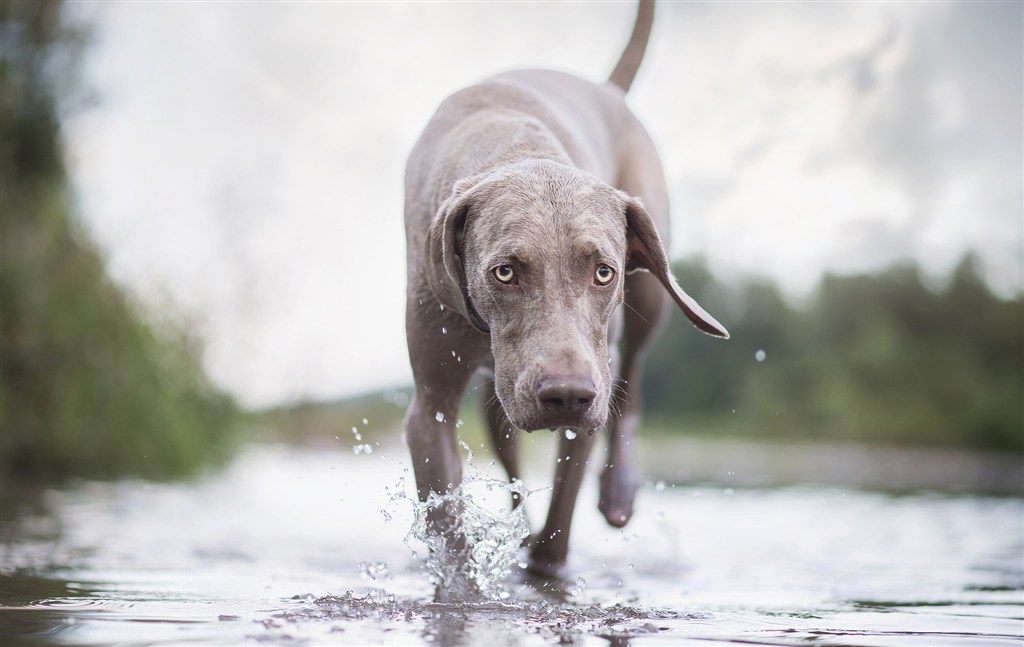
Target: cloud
{"type": "Point", "coordinates": [839, 136]}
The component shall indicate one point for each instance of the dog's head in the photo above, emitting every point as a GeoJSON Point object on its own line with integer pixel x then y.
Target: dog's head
{"type": "Point", "coordinates": [536, 254]}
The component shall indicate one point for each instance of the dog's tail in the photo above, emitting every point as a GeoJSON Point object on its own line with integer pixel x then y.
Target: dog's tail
{"type": "Point", "coordinates": [629, 62]}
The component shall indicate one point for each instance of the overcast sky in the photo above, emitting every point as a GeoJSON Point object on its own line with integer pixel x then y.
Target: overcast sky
{"type": "Point", "coordinates": [242, 166]}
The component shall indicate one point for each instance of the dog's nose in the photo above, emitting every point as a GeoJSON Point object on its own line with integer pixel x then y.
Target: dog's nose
{"type": "Point", "coordinates": [566, 394]}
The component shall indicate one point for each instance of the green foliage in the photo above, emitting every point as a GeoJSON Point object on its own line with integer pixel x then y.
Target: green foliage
{"type": "Point", "coordinates": [87, 387]}
{"type": "Point", "coordinates": [879, 358]}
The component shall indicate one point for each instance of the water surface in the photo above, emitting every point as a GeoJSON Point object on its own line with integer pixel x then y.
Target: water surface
{"type": "Point", "coordinates": [300, 546]}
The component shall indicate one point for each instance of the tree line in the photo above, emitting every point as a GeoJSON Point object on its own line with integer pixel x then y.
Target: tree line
{"type": "Point", "coordinates": [880, 358]}
{"type": "Point", "coordinates": [88, 385]}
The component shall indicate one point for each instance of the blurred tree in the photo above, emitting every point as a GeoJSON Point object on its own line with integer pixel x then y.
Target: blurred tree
{"type": "Point", "coordinates": [879, 358]}
{"type": "Point", "coordinates": [86, 386]}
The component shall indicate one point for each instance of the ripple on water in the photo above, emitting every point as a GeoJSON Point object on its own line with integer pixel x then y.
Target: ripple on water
{"type": "Point", "coordinates": [540, 617]}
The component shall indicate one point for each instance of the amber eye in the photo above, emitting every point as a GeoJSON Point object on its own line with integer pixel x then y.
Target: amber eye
{"type": "Point", "coordinates": [504, 273]}
{"type": "Point", "coordinates": [604, 275]}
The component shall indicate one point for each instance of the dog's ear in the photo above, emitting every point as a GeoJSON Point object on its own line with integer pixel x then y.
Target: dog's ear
{"type": "Point", "coordinates": [646, 252]}
{"type": "Point", "coordinates": [445, 271]}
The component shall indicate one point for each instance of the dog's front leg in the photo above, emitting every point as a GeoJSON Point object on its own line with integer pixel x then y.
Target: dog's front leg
{"type": "Point", "coordinates": [618, 478]}
{"type": "Point", "coordinates": [430, 433]}
{"type": "Point", "coordinates": [551, 545]}
{"type": "Point", "coordinates": [444, 352]}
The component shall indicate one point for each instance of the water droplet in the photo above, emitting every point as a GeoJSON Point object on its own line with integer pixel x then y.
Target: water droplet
{"type": "Point", "coordinates": [569, 434]}
{"type": "Point", "coordinates": [469, 452]}
{"type": "Point", "coordinates": [444, 331]}
{"type": "Point", "coordinates": [365, 421]}
{"type": "Point", "coordinates": [760, 355]}
{"type": "Point", "coordinates": [439, 416]}
{"type": "Point", "coordinates": [580, 586]}
{"type": "Point", "coordinates": [659, 486]}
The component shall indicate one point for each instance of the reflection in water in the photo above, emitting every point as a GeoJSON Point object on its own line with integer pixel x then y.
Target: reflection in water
{"type": "Point", "coordinates": [41, 607]}
{"type": "Point", "coordinates": [296, 547]}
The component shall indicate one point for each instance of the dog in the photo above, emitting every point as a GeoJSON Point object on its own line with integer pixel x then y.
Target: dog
{"type": "Point", "coordinates": [536, 218]}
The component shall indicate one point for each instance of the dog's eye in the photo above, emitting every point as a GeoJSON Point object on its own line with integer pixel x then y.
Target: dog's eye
{"type": "Point", "coordinates": [504, 273]}
{"type": "Point", "coordinates": [604, 275]}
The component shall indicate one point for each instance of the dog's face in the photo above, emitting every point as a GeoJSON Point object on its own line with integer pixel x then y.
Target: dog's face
{"type": "Point", "coordinates": [536, 255]}
{"type": "Point", "coordinates": [544, 253]}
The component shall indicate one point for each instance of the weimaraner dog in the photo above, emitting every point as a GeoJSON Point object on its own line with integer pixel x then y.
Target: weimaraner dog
{"type": "Point", "coordinates": [536, 219]}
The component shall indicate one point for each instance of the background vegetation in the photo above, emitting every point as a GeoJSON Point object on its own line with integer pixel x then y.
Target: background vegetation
{"type": "Point", "coordinates": [879, 358]}
{"type": "Point", "coordinates": [87, 386]}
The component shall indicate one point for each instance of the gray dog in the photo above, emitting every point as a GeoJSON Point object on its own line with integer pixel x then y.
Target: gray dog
{"type": "Point", "coordinates": [533, 206]}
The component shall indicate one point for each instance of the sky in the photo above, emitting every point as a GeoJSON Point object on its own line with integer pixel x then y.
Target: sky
{"type": "Point", "coordinates": [241, 163]}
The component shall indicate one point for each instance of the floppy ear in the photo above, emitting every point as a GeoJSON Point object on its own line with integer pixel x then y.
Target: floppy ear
{"type": "Point", "coordinates": [645, 252]}
{"type": "Point", "coordinates": [445, 272]}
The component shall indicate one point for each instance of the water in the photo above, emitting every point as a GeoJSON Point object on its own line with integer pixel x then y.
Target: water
{"type": "Point", "coordinates": [299, 547]}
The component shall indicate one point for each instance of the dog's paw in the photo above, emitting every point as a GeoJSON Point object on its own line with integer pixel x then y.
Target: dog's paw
{"type": "Point", "coordinates": [618, 489]}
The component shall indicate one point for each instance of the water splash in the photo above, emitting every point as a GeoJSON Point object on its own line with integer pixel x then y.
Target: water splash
{"type": "Point", "coordinates": [471, 549]}
{"type": "Point", "coordinates": [374, 571]}
{"type": "Point", "coordinates": [395, 496]}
